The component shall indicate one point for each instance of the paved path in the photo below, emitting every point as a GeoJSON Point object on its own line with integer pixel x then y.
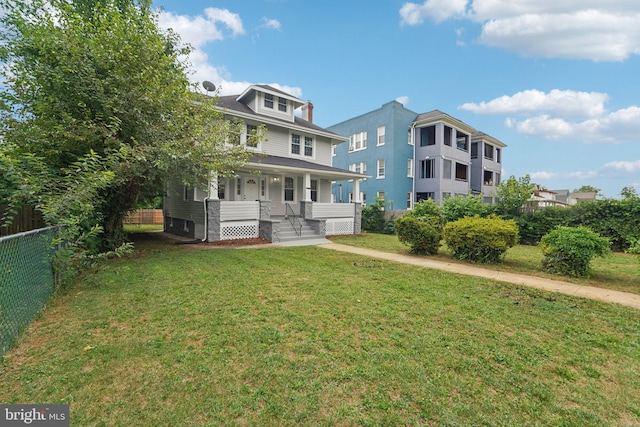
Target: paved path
{"type": "Point", "coordinates": [591, 292]}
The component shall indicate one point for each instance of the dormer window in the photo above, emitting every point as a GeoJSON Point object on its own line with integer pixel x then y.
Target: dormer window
{"type": "Point", "coordinates": [282, 104]}
{"type": "Point", "coordinates": [268, 100]}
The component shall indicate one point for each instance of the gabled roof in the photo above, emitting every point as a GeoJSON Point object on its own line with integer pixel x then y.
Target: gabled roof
{"type": "Point", "coordinates": [233, 104]}
{"type": "Point", "coordinates": [297, 102]}
{"type": "Point", "coordinates": [277, 163]}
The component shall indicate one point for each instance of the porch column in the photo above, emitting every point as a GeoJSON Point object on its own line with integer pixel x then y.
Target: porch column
{"type": "Point", "coordinates": [307, 187]}
{"type": "Point", "coordinates": [213, 186]}
{"type": "Point", "coordinates": [356, 190]}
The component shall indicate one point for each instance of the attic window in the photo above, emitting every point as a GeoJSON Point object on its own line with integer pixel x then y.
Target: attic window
{"type": "Point", "coordinates": [282, 104]}
{"type": "Point", "coordinates": [268, 100]}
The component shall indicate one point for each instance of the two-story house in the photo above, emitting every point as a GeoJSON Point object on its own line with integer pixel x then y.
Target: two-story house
{"type": "Point", "coordinates": [283, 192]}
{"type": "Point", "coordinates": [416, 157]}
{"type": "Point", "coordinates": [379, 146]}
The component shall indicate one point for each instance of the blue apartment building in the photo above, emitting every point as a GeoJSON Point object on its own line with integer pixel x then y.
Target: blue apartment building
{"type": "Point", "coordinates": [380, 146]}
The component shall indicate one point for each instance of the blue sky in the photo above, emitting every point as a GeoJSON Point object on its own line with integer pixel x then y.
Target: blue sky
{"type": "Point", "coordinates": [557, 81]}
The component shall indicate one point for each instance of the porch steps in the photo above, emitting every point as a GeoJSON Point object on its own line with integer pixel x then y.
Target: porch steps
{"type": "Point", "coordinates": [288, 234]}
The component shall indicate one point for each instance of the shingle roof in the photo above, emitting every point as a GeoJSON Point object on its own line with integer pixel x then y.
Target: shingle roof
{"type": "Point", "coordinates": [298, 164]}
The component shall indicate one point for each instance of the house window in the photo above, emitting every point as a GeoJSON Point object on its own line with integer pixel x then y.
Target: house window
{"type": "Point", "coordinates": [251, 131]}
{"type": "Point", "coordinates": [427, 136]}
{"type": "Point", "coordinates": [263, 187]}
{"type": "Point", "coordinates": [380, 195]}
{"type": "Point", "coordinates": [498, 155]}
{"type": "Point", "coordinates": [410, 168]}
{"type": "Point", "coordinates": [358, 141]}
{"type": "Point", "coordinates": [289, 189]}
{"type": "Point", "coordinates": [381, 131]}
{"type": "Point", "coordinates": [238, 187]}
{"type": "Point", "coordinates": [425, 196]}
{"type": "Point", "coordinates": [308, 146]}
{"type": "Point", "coordinates": [488, 178]}
{"type": "Point", "coordinates": [268, 100]}
{"type": "Point", "coordinates": [462, 141]}
{"type": "Point", "coordinates": [220, 190]}
{"type": "Point", "coordinates": [409, 138]}
{"type": "Point", "coordinates": [185, 193]}
{"type": "Point", "coordinates": [488, 151]}
{"type": "Point", "coordinates": [380, 168]}
{"type": "Point", "coordinates": [428, 168]}
{"type": "Point", "coordinates": [295, 144]}
{"type": "Point", "coordinates": [461, 172]}
{"type": "Point", "coordinates": [474, 150]}
{"type": "Point", "coordinates": [446, 169]}
{"type": "Point", "coordinates": [350, 197]}
{"type": "Point", "coordinates": [409, 200]}
{"type": "Point", "coordinates": [314, 190]}
{"type": "Point", "coordinates": [363, 198]}
{"type": "Point", "coordinates": [447, 135]}
{"type": "Point", "coordinates": [282, 104]}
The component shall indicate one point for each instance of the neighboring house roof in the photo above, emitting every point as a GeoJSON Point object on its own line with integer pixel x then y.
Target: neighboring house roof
{"type": "Point", "coordinates": [233, 104]}
{"type": "Point", "coordinates": [280, 164]}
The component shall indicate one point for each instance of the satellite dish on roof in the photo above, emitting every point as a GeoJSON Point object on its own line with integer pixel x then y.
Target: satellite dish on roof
{"type": "Point", "coordinates": [208, 86]}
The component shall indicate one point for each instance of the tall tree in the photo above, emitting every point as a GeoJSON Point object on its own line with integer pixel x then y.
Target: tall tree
{"type": "Point", "coordinates": [587, 189]}
{"type": "Point", "coordinates": [512, 194]}
{"type": "Point", "coordinates": [99, 80]}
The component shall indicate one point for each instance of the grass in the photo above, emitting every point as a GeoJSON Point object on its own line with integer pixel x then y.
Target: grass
{"type": "Point", "coordinates": [308, 336]}
{"type": "Point", "coordinates": [617, 271]}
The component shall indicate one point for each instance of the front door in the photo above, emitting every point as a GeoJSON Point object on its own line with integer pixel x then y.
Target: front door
{"type": "Point", "coordinates": [251, 188]}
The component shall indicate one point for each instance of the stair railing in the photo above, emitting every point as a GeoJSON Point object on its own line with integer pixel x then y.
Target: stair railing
{"type": "Point", "coordinates": [293, 219]}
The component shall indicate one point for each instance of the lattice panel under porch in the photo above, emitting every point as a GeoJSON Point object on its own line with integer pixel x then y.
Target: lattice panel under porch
{"type": "Point", "coordinates": [339, 226]}
{"type": "Point", "coordinates": [239, 230]}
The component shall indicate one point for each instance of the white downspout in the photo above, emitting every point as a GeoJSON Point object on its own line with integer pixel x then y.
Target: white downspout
{"type": "Point", "coordinates": [415, 166]}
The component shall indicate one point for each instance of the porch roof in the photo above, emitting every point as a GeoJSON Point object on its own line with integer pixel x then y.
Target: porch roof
{"type": "Point", "coordinates": [277, 164]}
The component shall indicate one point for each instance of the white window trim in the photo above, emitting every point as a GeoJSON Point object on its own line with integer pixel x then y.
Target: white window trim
{"type": "Point", "coordinates": [284, 187]}
{"type": "Point", "coordinates": [409, 167]}
{"type": "Point", "coordinates": [314, 147]}
{"type": "Point", "coordinates": [384, 169]}
{"type": "Point", "coordinates": [379, 134]}
{"type": "Point", "coordinates": [363, 141]}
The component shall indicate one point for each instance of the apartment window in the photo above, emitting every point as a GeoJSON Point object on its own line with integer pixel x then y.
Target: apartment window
{"type": "Point", "coordinates": [251, 130]}
{"type": "Point", "coordinates": [428, 168]}
{"type": "Point", "coordinates": [380, 168]}
{"type": "Point", "coordinates": [488, 151]}
{"type": "Point", "coordinates": [409, 137]}
{"type": "Point", "coordinates": [474, 150]}
{"type": "Point", "coordinates": [268, 100]}
{"type": "Point", "coordinates": [488, 178]}
{"type": "Point", "coordinates": [289, 189]}
{"type": "Point", "coordinates": [462, 141]}
{"type": "Point", "coordinates": [425, 196]}
{"type": "Point", "coordinates": [446, 169]}
{"type": "Point", "coordinates": [448, 132]}
{"type": "Point", "coordinates": [308, 146]}
{"type": "Point", "coordinates": [461, 172]}
{"type": "Point", "coordinates": [498, 155]}
{"type": "Point", "coordinates": [282, 104]}
{"type": "Point", "coordinates": [363, 198]}
{"type": "Point", "coordinates": [295, 143]}
{"type": "Point", "coordinates": [380, 195]}
{"type": "Point", "coordinates": [358, 167]}
{"type": "Point", "coordinates": [496, 181]}
{"type": "Point", "coordinates": [410, 168]}
{"type": "Point", "coordinates": [314, 190]}
{"type": "Point", "coordinates": [358, 141]}
{"type": "Point", "coordinates": [381, 131]}
{"type": "Point", "coordinates": [427, 136]}
{"type": "Point", "coordinates": [409, 200]}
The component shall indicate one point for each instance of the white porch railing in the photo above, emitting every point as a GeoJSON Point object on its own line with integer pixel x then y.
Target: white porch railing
{"type": "Point", "coordinates": [334, 210]}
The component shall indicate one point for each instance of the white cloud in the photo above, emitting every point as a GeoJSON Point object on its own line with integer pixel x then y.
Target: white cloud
{"type": "Point", "coordinates": [616, 169]}
{"type": "Point", "coordinates": [589, 29]}
{"type": "Point", "coordinates": [564, 102]}
{"type": "Point", "coordinates": [404, 100]}
{"type": "Point", "coordinates": [623, 166]}
{"type": "Point", "coordinates": [270, 23]}
{"type": "Point", "coordinates": [215, 25]}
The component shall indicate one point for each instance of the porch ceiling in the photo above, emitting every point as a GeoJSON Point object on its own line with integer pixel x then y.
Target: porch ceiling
{"type": "Point", "coordinates": [280, 165]}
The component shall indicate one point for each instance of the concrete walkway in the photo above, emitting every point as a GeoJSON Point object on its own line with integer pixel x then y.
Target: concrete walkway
{"type": "Point", "coordinates": [583, 291]}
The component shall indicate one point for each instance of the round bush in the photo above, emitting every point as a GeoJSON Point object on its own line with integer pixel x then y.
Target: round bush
{"type": "Point", "coordinates": [569, 250]}
{"type": "Point", "coordinates": [478, 239]}
{"type": "Point", "coordinates": [422, 234]}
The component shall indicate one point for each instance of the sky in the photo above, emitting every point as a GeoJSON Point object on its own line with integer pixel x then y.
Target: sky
{"type": "Point", "coordinates": [557, 81]}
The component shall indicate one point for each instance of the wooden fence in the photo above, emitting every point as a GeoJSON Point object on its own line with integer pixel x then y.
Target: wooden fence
{"type": "Point", "coordinates": [145, 216]}
{"type": "Point", "coordinates": [26, 219]}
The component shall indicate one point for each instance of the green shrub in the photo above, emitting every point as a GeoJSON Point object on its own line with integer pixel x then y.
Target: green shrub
{"type": "Point", "coordinates": [478, 239]}
{"type": "Point", "coordinates": [373, 218]}
{"type": "Point", "coordinates": [422, 234]}
{"type": "Point", "coordinates": [569, 250]}
{"type": "Point", "coordinates": [425, 209]}
{"type": "Point", "coordinates": [460, 206]}
{"type": "Point", "coordinates": [634, 249]}
{"type": "Point", "coordinates": [533, 225]}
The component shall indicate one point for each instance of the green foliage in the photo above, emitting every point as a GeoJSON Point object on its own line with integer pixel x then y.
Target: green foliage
{"type": "Point", "coordinates": [425, 209]}
{"type": "Point", "coordinates": [483, 240]}
{"type": "Point", "coordinates": [569, 250]}
{"type": "Point", "coordinates": [533, 225]}
{"type": "Point", "coordinates": [87, 76]}
{"type": "Point", "coordinates": [587, 189]}
{"type": "Point", "coordinates": [373, 218]}
{"type": "Point", "coordinates": [512, 194]}
{"type": "Point", "coordinates": [422, 234]}
{"type": "Point", "coordinates": [461, 206]}
{"type": "Point", "coordinates": [629, 192]}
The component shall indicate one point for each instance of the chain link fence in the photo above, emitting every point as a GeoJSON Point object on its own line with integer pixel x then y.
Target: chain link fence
{"type": "Point", "coordinates": [26, 280]}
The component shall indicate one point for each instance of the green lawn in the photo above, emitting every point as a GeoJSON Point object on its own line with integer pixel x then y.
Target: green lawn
{"type": "Point", "coordinates": [617, 271]}
{"type": "Point", "coordinates": [307, 336]}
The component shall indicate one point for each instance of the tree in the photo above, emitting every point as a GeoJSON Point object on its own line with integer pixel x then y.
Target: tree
{"type": "Point", "coordinates": [512, 194]}
{"type": "Point", "coordinates": [587, 189]}
{"type": "Point", "coordinates": [629, 192]}
{"type": "Point", "coordinates": [98, 80]}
